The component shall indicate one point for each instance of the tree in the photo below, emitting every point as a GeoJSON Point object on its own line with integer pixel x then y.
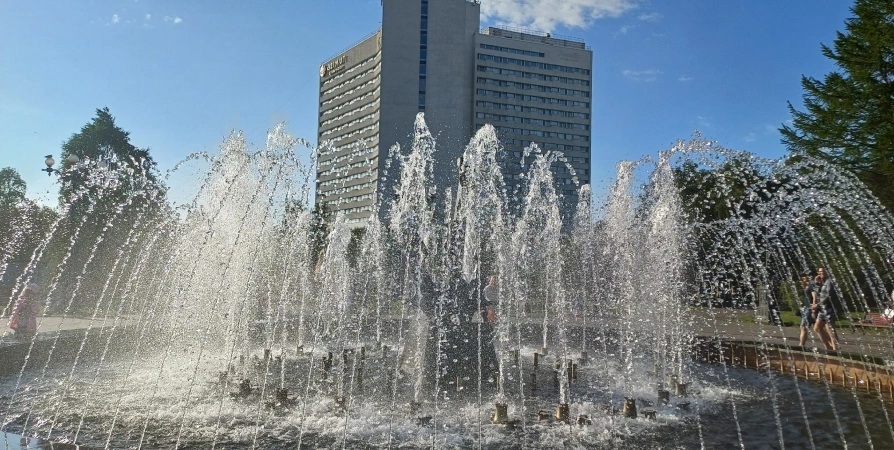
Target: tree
{"type": "Point", "coordinates": [103, 140]}
{"type": "Point", "coordinates": [717, 193]}
{"type": "Point", "coordinates": [12, 189]}
{"type": "Point", "coordinates": [849, 117]}
{"type": "Point", "coordinates": [113, 199]}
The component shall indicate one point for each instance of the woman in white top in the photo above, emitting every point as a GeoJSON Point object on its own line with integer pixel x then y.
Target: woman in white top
{"type": "Point", "coordinates": [889, 308]}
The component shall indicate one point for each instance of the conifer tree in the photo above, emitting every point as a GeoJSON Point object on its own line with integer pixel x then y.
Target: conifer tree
{"type": "Point", "coordinates": [849, 116]}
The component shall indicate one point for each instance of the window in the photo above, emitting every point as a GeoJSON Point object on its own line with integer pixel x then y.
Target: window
{"type": "Point", "coordinates": [539, 65]}
{"type": "Point", "coordinates": [512, 50]}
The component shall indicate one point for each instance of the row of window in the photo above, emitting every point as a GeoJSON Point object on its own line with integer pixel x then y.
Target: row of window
{"type": "Point", "coordinates": [369, 116]}
{"type": "Point", "coordinates": [336, 171]}
{"type": "Point", "coordinates": [537, 65]}
{"type": "Point", "coordinates": [546, 146]}
{"type": "Point", "coordinates": [370, 127]}
{"type": "Point", "coordinates": [546, 134]}
{"type": "Point", "coordinates": [517, 51]}
{"type": "Point", "coordinates": [362, 144]}
{"type": "Point", "coordinates": [360, 209]}
{"type": "Point", "coordinates": [351, 80]}
{"type": "Point", "coordinates": [359, 151]}
{"type": "Point", "coordinates": [372, 104]}
{"type": "Point", "coordinates": [359, 198]}
{"type": "Point", "coordinates": [355, 68]}
{"type": "Point", "coordinates": [356, 187]}
{"type": "Point", "coordinates": [532, 98]}
{"type": "Point", "coordinates": [532, 109]}
{"type": "Point", "coordinates": [532, 87]}
{"type": "Point", "coordinates": [423, 54]}
{"type": "Point", "coordinates": [568, 170]}
{"type": "Point", "coordinates": [528, 121]}
{"type": "Point", "coordinates": [352, 101]}
{"type": "Point", "coordinates": [535, 76]}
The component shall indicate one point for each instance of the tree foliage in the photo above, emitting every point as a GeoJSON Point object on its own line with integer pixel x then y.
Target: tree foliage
{"type": "Point", "coordinates": [715, 193]}
{"type": "Point", "coordinates": [849, 115]}
{"type": "Point", "coordinates": [101, 140]}
{"type": "Point", "coordinates": [111, 197]}
{"type": "Point", "coordinates": [12, 189]}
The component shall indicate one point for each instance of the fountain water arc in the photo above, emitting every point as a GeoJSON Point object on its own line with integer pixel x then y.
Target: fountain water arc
{"type": "Point", "coordinates": [483, 314]}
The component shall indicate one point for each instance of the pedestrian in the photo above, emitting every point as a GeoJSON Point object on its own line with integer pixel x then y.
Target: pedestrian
{"type": "Point", "coordinates": [808, 307]}
{"type": "Point", "coordinates": [27, 308]}
{"type": "Point", "coordinates": [827, 294]}
{"type": "Point", "coordinates": [889, 308]}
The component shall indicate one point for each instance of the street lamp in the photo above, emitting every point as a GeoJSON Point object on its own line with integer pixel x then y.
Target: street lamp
{"type": "Point", "coordinates": [49, 161]}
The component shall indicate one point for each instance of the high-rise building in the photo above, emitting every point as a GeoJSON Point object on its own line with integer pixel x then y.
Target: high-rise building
{"type": "Point", "coordinates": [429, 56]}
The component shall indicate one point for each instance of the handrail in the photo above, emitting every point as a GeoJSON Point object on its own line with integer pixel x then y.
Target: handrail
{"type": "Point", "coordinates": [536, 33]}
{"type": "Point", "coordinates": [355, 44]}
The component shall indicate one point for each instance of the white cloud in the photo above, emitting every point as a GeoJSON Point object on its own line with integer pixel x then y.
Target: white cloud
{"type": "Point", "coordinates": [148, 16]}
{"type": "Point", "coordinates": [625, 29]}
{"type": "Point", "coordinates": [684, 78]}
{"type": "Point", "coordinates": [750, 137]}
{"type": "Point", "coordinates": [546, 15]}
{"type": "Point", "coordinates": [771, 129]}
{"type": "Point", "coordinates": [115, 18]}
{"type": "Point", "coordinates": [642, 75]}
{"type": "Point", "coordinates": [175, 20]}
{"type": "Point", "coordinates": [651, 17]}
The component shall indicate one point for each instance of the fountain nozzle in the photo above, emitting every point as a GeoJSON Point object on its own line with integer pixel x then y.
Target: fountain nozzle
{"type": "Point", "coordinates": [501, 413]}
{"type": "Point", "coordinates": [562, 412]}
{"type": "Point", "coordinates": [629, 408]}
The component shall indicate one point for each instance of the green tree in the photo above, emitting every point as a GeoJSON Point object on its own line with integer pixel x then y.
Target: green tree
{"type": "Point", "coordinates": [849, 117]}
{"type": "Point", "coordinates": [12, 189]}
{"type": "Point", "coordinates": [103, 140]}
{"type": "Point", "coordinates": [113, 198]}
{"type": "Point", "coordinates": [717, 193]}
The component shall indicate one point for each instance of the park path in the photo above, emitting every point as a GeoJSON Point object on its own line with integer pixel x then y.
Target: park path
{"type": "Point", "coordinates": [47, 326]}
{"type": "Point", "coordinates": [721, 323]}
{"type": "Point", "coordinates": [727, 324]}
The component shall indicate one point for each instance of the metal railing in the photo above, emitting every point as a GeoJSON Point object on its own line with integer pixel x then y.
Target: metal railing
{"type": "Point", "coordinates": [536, 36]}
{"type": "Point", "coordinates": [355, 44]}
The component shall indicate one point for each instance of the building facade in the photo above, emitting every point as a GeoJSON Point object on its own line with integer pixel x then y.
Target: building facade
{"type": "Point", "coordinates": [429, 56]}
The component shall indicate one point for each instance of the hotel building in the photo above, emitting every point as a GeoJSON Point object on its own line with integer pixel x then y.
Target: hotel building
{"type": "Point", "coordinates": [430, 56]}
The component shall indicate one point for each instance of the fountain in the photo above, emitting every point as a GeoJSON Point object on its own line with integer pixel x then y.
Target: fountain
{"type": "Point", "coordinates": [474, 315]}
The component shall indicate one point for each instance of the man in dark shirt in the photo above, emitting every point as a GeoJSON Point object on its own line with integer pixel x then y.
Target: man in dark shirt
{"type": "Point", "coordinates": [808, 307]}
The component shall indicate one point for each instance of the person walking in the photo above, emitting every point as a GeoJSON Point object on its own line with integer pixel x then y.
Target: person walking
{"type": "Point", "coordinates": [889, 308]}
{"type": "Point", "coordinates": [808, 308]}
{"type": "Point", "coordinates": [827, 292]}
{"type": "Point", "coordinates": [24, 316]}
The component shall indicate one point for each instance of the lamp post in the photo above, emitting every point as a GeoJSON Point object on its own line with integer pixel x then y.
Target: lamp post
{"type": "Point", "coordinates": [50, 162]}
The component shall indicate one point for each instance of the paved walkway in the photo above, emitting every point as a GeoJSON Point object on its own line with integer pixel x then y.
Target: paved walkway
{"type": "Point", "coordinates": [726, 323]}
{"type": "Point", "coordinates": [49, 325]}
{"type": "Point", "coordinates": [723, 323]}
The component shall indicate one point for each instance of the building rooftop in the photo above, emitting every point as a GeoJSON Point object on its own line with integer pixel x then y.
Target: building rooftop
{"type": "Point", "coordinates": [351, 47]}
{"type": "Point", "coordinates": [536, 36]}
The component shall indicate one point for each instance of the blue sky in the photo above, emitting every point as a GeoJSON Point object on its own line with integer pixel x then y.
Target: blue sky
{"type": "Point", "coordinates": [180, 75]}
